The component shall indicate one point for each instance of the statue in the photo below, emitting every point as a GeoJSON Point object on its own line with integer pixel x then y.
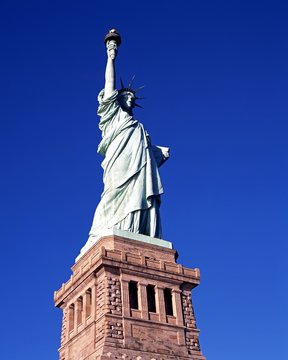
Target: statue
{"type": "Point", "coordinates": [132, 186]}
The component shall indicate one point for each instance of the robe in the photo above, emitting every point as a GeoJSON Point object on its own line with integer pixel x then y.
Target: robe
{"type": "Point", "coordinates": [132, 185]}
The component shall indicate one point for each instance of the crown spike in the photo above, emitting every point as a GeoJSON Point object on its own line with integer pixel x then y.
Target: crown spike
{"type": "Point", "coordinates": [129, 89]}
{"type": "Point", "coordinates": [131, 82]}
{"type": "Point", "coordinates": [139, 88]}
{"type": "Point", "coordinates": [137, 105]}
{"type": "Point", "coordinates": [122, 84]}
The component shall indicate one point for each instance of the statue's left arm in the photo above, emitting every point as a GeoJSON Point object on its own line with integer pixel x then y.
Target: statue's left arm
{"type": "Point", "coordinates": [161, 154]}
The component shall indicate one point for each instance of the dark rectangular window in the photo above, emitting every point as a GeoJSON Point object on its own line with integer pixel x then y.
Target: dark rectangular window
{"type": "Point", "coordinates": [151, 298]}
{"type": "Point", "coordinates": [168, 302]}
{"type": "Point", "coordinates": [133, 295]}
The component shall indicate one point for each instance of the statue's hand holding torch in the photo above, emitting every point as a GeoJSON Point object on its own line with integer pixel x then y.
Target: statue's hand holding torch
{"type": "Point", "coordinates": [112, 41]}
{"type": "Point", "coordinates": [111, 49]}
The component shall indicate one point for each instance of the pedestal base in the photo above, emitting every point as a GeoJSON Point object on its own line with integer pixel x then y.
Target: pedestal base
{"type": "Point", "coordinates": [129, 299]}
{"type": "Point", "coordinates": [124, 234]}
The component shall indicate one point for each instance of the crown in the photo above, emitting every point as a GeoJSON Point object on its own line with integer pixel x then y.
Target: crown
{"type": "Point", "coordinates": [129, 89]}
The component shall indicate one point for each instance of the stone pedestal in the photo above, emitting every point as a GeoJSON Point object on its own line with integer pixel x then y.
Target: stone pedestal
{"type": "Point", "coordinates": [128, 299]}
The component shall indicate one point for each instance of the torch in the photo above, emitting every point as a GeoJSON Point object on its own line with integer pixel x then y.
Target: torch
{"type": "Point", "coordinates": [112, 40]}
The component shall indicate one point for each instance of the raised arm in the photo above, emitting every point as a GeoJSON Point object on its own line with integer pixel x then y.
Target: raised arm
{"type": "Point", "coordinates": [112, 41]}
{"type": "Point", "coordinates": [110, 68]}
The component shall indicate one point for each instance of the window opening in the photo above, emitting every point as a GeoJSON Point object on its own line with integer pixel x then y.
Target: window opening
{"type": "Point", "coordinates": [88, 302]}
{"type": "Point", "coordinates": [151, 298]}
{"type": "Point", "coordinates": [71, 317]}
{"type": "Point", "coordinates": [79, 310]}
{"type": "Point", "coordinates": [168, 302]}
{"type": "Point", "coordinates": [133, 295]}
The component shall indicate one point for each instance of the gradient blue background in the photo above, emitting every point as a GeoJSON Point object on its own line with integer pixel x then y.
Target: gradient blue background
{"type": "Point", "coordinates": [215, 76]}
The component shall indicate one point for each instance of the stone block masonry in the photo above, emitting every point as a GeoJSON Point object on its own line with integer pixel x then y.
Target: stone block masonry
{"type": "Point", "coordinates": [128, 300]}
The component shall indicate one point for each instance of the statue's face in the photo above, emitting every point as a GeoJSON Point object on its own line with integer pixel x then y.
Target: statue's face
{"type": "Point", "coordinates": [127, 100]}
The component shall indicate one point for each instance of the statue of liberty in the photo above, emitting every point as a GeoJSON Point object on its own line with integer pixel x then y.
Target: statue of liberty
{"type": "Point", "coordinates": [132, 186]}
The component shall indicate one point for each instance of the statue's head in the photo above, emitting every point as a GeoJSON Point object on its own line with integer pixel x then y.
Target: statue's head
{"type": "Point", "coordinates": [127, 96]}
{"type": "Point", "coordinates": [127, 99]}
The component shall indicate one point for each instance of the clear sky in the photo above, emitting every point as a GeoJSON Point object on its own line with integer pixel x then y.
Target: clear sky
{"type": "Point", "coordinates": [215, 76]}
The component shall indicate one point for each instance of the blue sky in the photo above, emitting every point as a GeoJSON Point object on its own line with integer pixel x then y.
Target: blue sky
{"type": "Point", "coordinates": [215, 76]}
